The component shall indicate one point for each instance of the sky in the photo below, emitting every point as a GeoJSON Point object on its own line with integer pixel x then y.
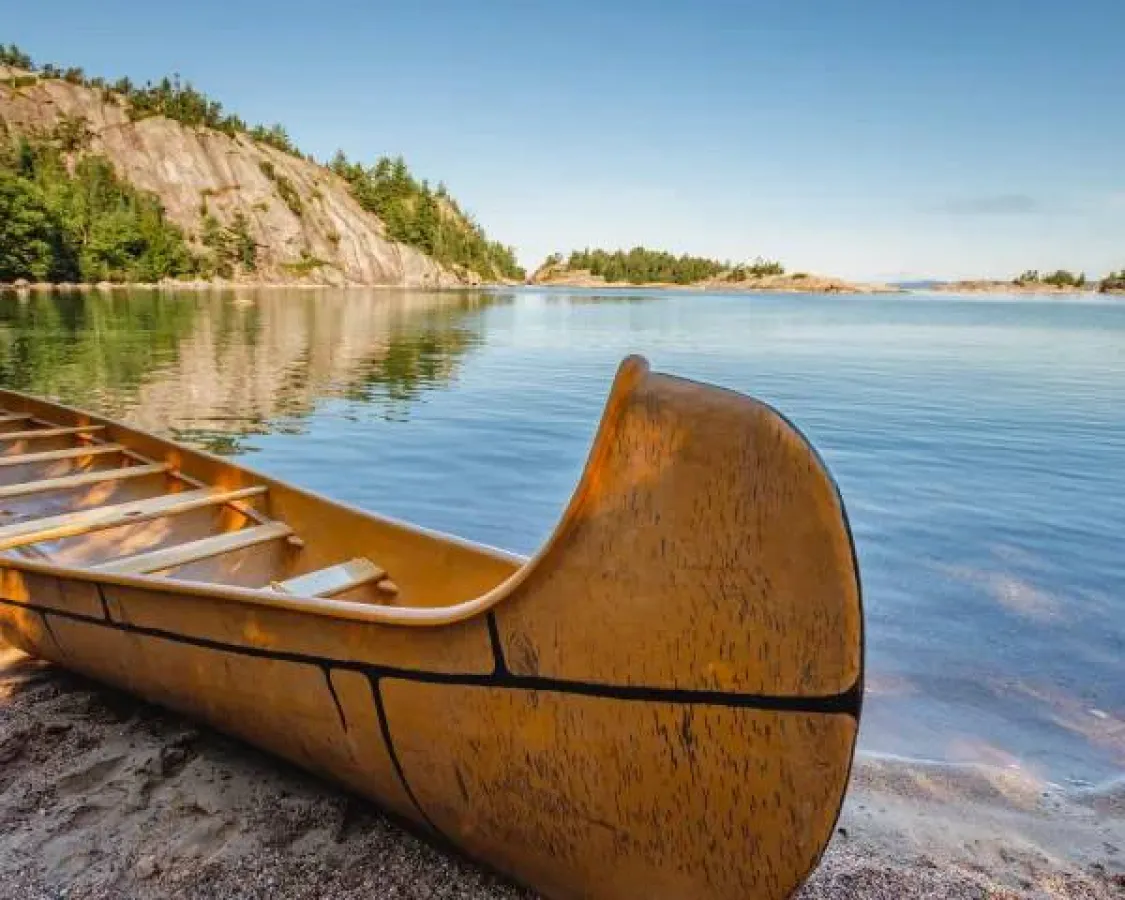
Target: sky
{"type": "Point", "coordinates": [877, 139]}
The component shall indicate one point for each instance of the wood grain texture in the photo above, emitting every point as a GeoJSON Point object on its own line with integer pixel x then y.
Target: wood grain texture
{"type": "Point", "coordinates": [703, 513]}
{"type": "Point", "coordinates": [596, 797]}
{"type": "Point", "coordinates": [662, 703]}
{"type": "Point", "coordinates": [69, 482]}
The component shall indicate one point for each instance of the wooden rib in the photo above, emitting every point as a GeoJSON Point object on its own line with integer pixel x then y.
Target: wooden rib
{"type": "Point", "coordinates": [102, 517]}
{"type": "Point", "coordinates": [193, 551]}
{"type": "Point", "coordinates": [48, 432]}
{"type": "Point", "coordinates": [83, 479]}
{"type": "Point", "coordinates": [331, 580]}
{"type": "Point", "coordinates": [51, 456]}
{"type": "Point", "coordinates": [14, 417]}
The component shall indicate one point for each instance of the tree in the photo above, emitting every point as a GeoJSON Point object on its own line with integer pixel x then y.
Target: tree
{"type": "Point", "coordinates": [1114, 281]}
{"type": "Point", "coordinates": [30, 238]}
{"type": "Point", "coordinates": [11, 55]}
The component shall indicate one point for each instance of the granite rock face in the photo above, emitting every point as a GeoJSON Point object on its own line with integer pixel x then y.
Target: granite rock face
{"type": "Point", "coordinates": [307, 225]}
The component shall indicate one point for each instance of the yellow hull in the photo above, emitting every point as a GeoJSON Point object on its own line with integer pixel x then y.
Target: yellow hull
{"type": "Point", "coordinates": [662, 703]}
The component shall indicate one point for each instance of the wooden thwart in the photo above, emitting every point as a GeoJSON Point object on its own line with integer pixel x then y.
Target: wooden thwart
{"type": "Point", "coordinates": [84, 479]}
{"type": "Point", "coordinates": [100, 518]}
{"type": "Point", "coordinates": [193, 551]}
{"type": "Point", "coordinates": [332, 580]}
{"type": "Point", "coordinates": [48, 432]}
{"type": "Point", "coordinates": [14, 417]}
{"type": "Point", "coordinates": [24, 459]}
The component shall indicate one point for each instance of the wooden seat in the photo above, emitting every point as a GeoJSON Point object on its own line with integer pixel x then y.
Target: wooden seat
{"type": "Point", "coordinates": [193, 551]}
{"type": "Point", "coordinates": [24, 459]}
{"type": "Point", "coordinates": [83, 479]}
{"type": "Point", "coordinates": [103, 517]}
{"type": "Point", "coordinates": [331, 580]}
{"type": "Point", "coordinates": [49, 432]}
{"type": "Point", "coordinates": [14, 417]}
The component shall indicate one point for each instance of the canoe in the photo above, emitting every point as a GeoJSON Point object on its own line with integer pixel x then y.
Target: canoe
{"type": "Point", "coordinates": [663, 702]}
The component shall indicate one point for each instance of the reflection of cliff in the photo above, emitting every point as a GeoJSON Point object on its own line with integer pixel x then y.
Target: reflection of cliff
{"type": "Point", "coordinates": [212, 366]}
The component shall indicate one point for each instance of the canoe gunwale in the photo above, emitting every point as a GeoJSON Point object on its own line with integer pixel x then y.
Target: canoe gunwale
{"type": "Point", "coordinates": [632, 370]}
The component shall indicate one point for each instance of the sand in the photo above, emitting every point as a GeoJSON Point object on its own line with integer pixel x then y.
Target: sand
{"type": "Point", "coordinates": [102, 796]}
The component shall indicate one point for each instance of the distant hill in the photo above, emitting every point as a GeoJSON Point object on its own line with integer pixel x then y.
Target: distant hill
{"type": "Point", "coordinates": [182, 189]}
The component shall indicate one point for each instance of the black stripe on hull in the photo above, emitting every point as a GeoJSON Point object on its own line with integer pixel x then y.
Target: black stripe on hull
{"type": "Point", "coordinates": [844, 703]}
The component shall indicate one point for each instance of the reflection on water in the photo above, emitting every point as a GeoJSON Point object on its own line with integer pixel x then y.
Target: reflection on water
{"type": "Point", "coordinates": [212, 369]}
{"type": "Point", "coordinates": [980, 446]}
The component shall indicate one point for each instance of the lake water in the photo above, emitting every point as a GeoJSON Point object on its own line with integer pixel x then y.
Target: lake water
{"type": "Point", "coordinates": [979, 444]}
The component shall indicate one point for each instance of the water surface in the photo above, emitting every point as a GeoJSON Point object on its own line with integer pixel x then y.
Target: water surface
{"type": "Point", "coordinates": [979, 444]}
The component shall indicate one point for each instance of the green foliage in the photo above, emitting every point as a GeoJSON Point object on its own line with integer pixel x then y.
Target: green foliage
{"type": "Point", "coordinates": [31, 244]}
{"type": "Point", "coordinates": [11, 55]}
{"type": "Point", "coordinates": [429, 219]}
{"type": "Point", "coordinates": [285, 187]}
{"type": "Point", "coordinates": [82, 225]}
{"type": "Point", "coordinates": [276, 136]}
{"type": "Point", "coordinates": [305, 266]}
{"type": "Point", "coordinates": [641, 266]}
{"type": "Point", "coordinates": [759, 268]}
{"type": "Point", "coordinates": [229, 246]}
{"type": "Point", "coordinates": [1060, 278]}
{"type": "Point", "coordinates": [1114, 281]}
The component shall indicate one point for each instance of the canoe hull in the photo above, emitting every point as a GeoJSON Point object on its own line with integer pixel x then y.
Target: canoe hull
{"type": "Point", "coordinates": [664, 704]}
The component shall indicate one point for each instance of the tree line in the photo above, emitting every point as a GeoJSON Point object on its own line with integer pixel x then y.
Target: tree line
{"type": "Point", "coordinates": [1062, 278]}
{"type": "Point", "coordinates": [641, 265]}
{"type": "Point", "coordinates": [425, 217]}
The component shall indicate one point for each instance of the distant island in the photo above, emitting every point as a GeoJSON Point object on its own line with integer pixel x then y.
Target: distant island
{"type": "Point", "coordinates": [642, 267]}
{"type": "Point", "coordinates": [1032, 281]}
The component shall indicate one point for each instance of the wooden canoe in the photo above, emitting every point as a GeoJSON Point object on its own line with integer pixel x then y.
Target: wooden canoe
{"type": "Point", "coordinates": [662, 703]}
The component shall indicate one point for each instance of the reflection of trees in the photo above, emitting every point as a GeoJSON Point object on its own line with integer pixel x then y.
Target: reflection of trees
{"type": "Point", "coordinates": [212, 368]}
{"type": "Point", "coordinates": [75, 346]}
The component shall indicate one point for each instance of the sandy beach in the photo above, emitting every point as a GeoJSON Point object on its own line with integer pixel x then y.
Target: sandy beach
{"type": "Point", "coordinates": [102, 796]}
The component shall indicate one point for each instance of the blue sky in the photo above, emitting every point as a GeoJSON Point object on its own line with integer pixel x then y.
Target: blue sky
{"type": "Point", "coordinates": [866, 138]}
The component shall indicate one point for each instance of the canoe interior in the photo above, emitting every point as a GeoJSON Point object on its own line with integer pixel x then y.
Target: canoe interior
{"type": "Point", "coordinates": [421, 569]}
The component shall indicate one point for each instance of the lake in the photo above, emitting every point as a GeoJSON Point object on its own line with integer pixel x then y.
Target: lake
{"type": "Point", "coordinates": [979, 444]}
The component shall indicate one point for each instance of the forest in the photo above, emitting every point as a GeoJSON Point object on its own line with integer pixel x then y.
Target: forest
{"type": "Point", "coordinates": [85, 224]}
{"type": "Point", "coordinates": [425, 217]}
{"type": "Point", "coordinates": [641, 265]}
{"type": "Point", "coordinates": [1060, 278]}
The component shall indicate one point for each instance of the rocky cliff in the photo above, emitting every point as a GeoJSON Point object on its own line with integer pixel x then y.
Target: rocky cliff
{"type": "Point", "coordinates": [303, 218]}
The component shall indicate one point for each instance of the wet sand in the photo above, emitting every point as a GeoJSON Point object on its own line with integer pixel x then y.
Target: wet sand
{"type": "Point", "coordinates": [102, 796]}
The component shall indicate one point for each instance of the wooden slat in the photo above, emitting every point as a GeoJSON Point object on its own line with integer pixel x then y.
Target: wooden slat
{"type": "Point", "coordinates": [24, 459]}
{"type": "Point", "coordinates": [331, 580]}
{"type": "Point", "coordinates": [48, 432]}
{"type": "Point", "coordinates": [193, 551]}
{"type": "Point", "coordinates": [14, 417]}
{"type": "Point", "coordinates": [83, 479]}
{"type": "Point", "coordinates": [99, 518]}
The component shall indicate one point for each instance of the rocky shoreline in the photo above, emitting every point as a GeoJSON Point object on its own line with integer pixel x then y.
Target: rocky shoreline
{"type": "Point", "coordinates": [782, 284]}
{"type": "Point", "coordinates": [799, 283]}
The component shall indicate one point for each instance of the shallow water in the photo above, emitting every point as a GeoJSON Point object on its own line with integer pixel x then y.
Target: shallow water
{"type": "Point", "coordinates": [979, 444]}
